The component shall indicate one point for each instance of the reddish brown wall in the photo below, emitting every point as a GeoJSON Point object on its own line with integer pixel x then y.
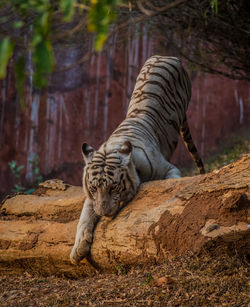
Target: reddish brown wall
{"type": "Point", "coordinates": [87, 103]}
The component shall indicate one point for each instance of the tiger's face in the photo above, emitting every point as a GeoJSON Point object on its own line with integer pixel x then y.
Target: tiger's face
{"type": "Point", "coordinates": [109, 180]}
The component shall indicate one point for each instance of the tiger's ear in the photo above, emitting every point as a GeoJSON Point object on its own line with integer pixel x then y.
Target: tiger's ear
{"type": "Point", "coordinates": [87, 152]}
{"type": "Point", "coordinates": [125, 152]}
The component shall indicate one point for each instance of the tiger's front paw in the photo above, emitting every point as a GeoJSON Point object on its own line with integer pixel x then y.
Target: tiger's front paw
{"type": "Point", "coordinates": [80, 252]}
{"type": "Point", "coordinates": [81, 248]}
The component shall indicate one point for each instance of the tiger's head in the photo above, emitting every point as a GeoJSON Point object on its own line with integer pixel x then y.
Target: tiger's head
{"type": "Point", "coordinates": [109, 178]}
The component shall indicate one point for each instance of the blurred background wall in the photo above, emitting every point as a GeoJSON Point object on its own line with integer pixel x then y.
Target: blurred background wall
{"type": "Point", "coordinates": [86, 102]}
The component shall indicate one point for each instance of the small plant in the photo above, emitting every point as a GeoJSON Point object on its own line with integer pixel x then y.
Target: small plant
{"type": "Point", "coordinates": [16, 171]}
{"type": "Point", "coordinates": [121, 269]}
{"type": "Point", "coordinates": [149, 278]}
{"type": "Point", "coordinates": [214, 6]}
{"type": "Point", "coordinates": [36, 174]}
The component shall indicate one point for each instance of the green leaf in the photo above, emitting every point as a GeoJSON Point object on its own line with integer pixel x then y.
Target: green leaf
{"type": "Point", "coordinates": [43, 58]}
{"type": "Point", "coordinates": [30, 191]}
{"type": "Point", "coordinates": [35, 159]}
{"type": "Point", "coordinates": [214, 6]}
{"type": "Point", "coordinates": [36, 171]}
{"type": "Point", "coordinates": [18, 187]}
{"type": "Point", "coordinates": [42, 24]}
{"type": "Point", "coordinates": [18, 24]}
{"type": "Point", "coordinates": [12, 164]}
{"type": "Point", "coordinates": [3, 19]}
{"type": "Point", "coordinates": [100, 16]}
{"type": "Point", "coordinates": [20, 79]}
{"type": "Point", "coordinates": [19, 168]}
{"type": "Point", "coordinates": [67, 7]}
{"type": "Point", "coordinates": [37, 38]}
{"type": "Point", "coordinates": [39, 179]}
{"type": "Point", "coordinates": [100, 40]}
{"type": "Point", "coordinates": [6, 49]}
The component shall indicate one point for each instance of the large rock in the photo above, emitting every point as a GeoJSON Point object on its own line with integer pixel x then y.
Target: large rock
{"type": "Point", "coordinates": [166, 218]}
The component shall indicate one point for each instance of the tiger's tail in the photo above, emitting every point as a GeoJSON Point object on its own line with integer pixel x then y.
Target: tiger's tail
{"type": "Point", "coordinates": [187, 138]}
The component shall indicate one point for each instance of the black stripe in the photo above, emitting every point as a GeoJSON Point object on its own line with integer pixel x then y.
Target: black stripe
{"type": "Point", "coordinates": [110, 167]}
{"type": "Point", "coordinates": [130, 181]}
{"type": "Point", "coordinates": [161, 100]}
{"type": "Point", "coordinates": [96, 165]}
{"type": "Point", "coordinates": [174, 79]}
{"type": "Point", "coordinates": [183, 84]}
{"type": "Point", "coordinates": [113, 157]}
{"type": "Point", "coordinates": [171, 122]}
{"type": "Point", "coordinates": [98, 153]}
{"type": "Point", "coordinates": [131, 128]}
{"type": "Point", "coordinates": [170, 89]}
{"type": "Point", "coordinates": [169, 71]}
{"type": "Point", "coordinates": [157, 83]}
{"type": "Point", "coordinates": [188, 86]}
{"type": "Point", "coordinates": [163, 103]}
{"type": "Point", "coordinates": [149, 162]}
{"type": "Point", "coordinates": [149, 123]}
{"type": "Point", "coordinates": [114, 163]}
{"type": "Point", "coordinates": [179, 77]}
{"type": "Point", "coordinates": [168, 103]}
{"type": "Point", "coordinates": [178, 80]}
{"type": "Point", "coordinates": [156, 120]}
{"type": "Point", "coordinates": [97, 161]}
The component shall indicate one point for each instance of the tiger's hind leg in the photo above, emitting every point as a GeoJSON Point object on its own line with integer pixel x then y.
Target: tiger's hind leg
{"type": "Point", "coordinates": [84, 234]}
{"type": "Point", "coordinates": [187, 138]}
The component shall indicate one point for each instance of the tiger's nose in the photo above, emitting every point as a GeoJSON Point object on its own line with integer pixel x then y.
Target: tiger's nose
{"type": "Point", "coordinates": [104, 204]}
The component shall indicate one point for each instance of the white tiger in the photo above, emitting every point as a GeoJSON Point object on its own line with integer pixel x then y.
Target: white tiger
{"type": "Point", "coordinates": [139, 149]}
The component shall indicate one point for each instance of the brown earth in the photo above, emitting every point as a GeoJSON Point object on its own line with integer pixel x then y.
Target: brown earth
{"type": "Point", "coordinates": [180, 242]}
{"type": "Point", "coordinates": [187, 281]}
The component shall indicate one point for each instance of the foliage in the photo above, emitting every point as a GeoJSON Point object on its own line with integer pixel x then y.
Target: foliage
{"type": "Point", "coordinates": [20, 78]}
{"type": "Point", "coordinates": [16, 171]}
{"type": "Point", "coordinates": [148, 279]}
{"type": "Point", "coordinates": [99, 19]}
{"type": "Point", "coordinates": [204, 25]}
{"type": "Point", "coordinates": [6, 48]}
{"type": "Point", "coordinates": [37, 178]}
{"type": "Point", "coordinates": [121, 269]}
{"type": "Point", "coordinates": [31, 24]}
{"type": "Point", "coordinates": [214, 6]}
{"type": "Point", "coordinates": [214, 35]}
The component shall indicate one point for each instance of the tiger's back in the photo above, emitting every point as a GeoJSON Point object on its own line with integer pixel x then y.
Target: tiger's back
{"type": "Point", "coordinates": [156, 111]}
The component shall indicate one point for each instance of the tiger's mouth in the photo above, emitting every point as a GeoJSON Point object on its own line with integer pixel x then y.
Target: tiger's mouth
{"type": "Point", "coordinates": [105, 210]}
{"type": "Point", "coordinates": [108, 209]}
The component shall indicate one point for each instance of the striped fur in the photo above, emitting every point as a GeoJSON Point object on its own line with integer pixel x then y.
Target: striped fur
{"type": "Point", "coordinates": [140, 148]}
{"type": "Point", "coordinates": [156, 117]}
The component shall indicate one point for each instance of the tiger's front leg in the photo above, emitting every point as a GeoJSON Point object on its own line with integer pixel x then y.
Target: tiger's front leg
{"type": "Point", "coordinates": [84, 234]}
{"type": "Point", "coordinates": [174, 172]}
{"type": "Point", "coordinates": [171, 171]}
